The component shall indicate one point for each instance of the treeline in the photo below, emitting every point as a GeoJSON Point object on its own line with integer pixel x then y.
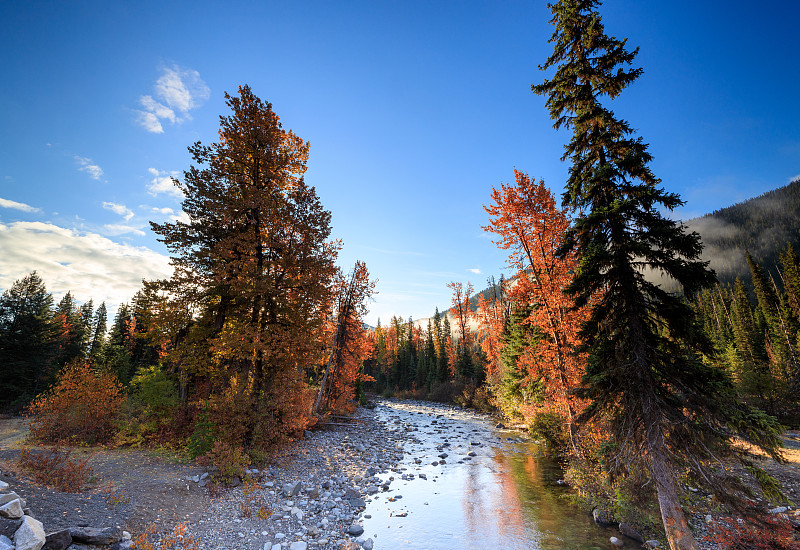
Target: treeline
{"type": "Point", "coordinates": [755, 329]}
{"type": "Point", "coordinates": [39, 337]}
{"type": "Point", "coordinates": [424, 363]}
{"type": "Point", "coordinates": [255, 337]}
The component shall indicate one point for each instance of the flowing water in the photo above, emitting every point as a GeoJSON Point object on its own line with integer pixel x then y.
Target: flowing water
{"type": "Point", "coordinates": [494, 489]}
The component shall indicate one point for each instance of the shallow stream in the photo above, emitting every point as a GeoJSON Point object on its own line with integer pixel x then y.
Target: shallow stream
{"type": "Point", "coordinates": [493, 489]}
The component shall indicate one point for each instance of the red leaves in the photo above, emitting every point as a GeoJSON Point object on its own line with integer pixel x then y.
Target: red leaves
{"type": "Point", "coordinates": [530, 227]}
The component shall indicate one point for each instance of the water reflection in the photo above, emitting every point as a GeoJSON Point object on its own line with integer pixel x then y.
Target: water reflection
{"type": "Point", "coordinates": [505, 496]}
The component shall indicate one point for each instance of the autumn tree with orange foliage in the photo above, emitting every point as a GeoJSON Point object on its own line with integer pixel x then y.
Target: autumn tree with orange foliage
{"type": "Point", "coordinates": [530, 227]}
{"type": "Point", "coordinates": [254, 269]}
{"type": "Point", "coordinates": [492, 316]}
{"type": "Point", "coordinates": [351, 344]}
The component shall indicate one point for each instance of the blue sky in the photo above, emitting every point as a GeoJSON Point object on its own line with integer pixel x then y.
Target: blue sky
{"type": "Point", "coordinates": [414, 110]}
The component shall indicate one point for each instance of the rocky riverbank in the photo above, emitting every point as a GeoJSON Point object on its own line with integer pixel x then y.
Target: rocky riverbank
{"type": "Point", "coordinates": [313, 496]}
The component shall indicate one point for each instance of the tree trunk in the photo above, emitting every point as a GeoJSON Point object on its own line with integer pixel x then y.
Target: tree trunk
{"type": "Point", "coordinates": [679, 535]}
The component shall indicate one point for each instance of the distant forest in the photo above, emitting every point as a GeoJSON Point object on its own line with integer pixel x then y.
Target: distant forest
{"type": "Point", "coordinates": [762, 226]}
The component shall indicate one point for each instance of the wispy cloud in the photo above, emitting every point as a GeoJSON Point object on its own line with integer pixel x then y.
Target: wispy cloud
{"type": "Point", "coordinates": [162, 183]}
{"type": "Point", "coordinates": [87, 165]}
{"type": "Point", "coordinates": [474, 270]}
{"type": "Point", "coordinates": [115, 229]}
{"type": "Point", "coordinates": [89, 264]}
{"type": "Point", "coordinates": [5, 203]}
{"type": "Point", "coordinates": [177, 91]}
{"type": "Point", "coordinates": [120, 209]}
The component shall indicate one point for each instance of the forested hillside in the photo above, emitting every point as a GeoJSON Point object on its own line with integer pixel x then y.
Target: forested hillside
{"type": "Point", "coordinates": [762, 225]}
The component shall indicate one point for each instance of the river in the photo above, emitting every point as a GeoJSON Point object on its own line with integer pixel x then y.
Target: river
{"type": "Point", "coordinates": [493, 489]}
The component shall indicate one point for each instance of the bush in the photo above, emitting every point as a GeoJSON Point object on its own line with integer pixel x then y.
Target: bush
{"type": "Point", "coordinates": [230, 461]}
{"type": "Point", "coordinates": [81, 406]}
{"type": "Point", "coordinates": [56, 468]}
{"type": "Point", "coordinates": [151, 409]}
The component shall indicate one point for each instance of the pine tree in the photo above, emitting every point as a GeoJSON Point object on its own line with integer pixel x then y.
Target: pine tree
{"type": "Point", "coordinates": [100, 327]}
{"type": "Point", "coordinates": [27, 341]}
{"type": "Point", "coordinates": [255, 260]}
{"type": "Point", "coordinates": [643, 374]}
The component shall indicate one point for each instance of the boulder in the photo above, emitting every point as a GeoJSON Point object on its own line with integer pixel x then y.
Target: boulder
{"type": "Point", "coordinates": [30, 535]}
{"type": "Point", "coordinates": [5, 543]}
{"type": "Point", "coordinates": [9, 526]}
{"type": "Point", "coordinates": [94, 535]}
{"type": "Point", "coordinates": [12, 510]}
{"type": "Point", "coordinates": [60, 540]}
{"type": "Point", "coordinates": [5, 498]}
{"type": "Point", "coordinates": [629, 531]}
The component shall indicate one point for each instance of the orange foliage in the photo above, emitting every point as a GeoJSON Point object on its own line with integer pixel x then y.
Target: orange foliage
{"type": "Point", "coordinates": [81, 406]}
{"type": "Point", "coordinates": [530, 227]}
{"type": "Point", "coordinates": [492, 317]}
{"type": "Point", "coordinates": [351, 345]}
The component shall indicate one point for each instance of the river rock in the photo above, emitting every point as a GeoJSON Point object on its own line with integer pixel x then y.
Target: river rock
{"type": "Point", "coordinates": [3, 486]}
{"type": "Point", "coordinates": [298, 545]}
{"type": "Point", "coordinates": [602, 518]}
{"type": "Point", "coordinates": [355, 530]}
{"type": "Point", "coordinates": [60, 540]}
{"type": "Point", "coordinates": [616, 542]}
{"type": "Point", "coordinates": [629, 531]}
{"type": "Point", "coordinates": [30, 535]}
{"type": "Point", "coordinates": [292, 489]}
{"type": "Point", "coordinates": [96, 535]}
{"type": "Point", "coordinates": [368, 544]}
{"type": "Point", "coordinates": [357, 503]}
{"type": "Point", "coordinates": [5, 543]}
{"type": "Point", "coordinates": [651, 544]}
{"type": "Point", "coordinates": [350, 546]}
{"type": "Point", "coordinates": [778, 510]}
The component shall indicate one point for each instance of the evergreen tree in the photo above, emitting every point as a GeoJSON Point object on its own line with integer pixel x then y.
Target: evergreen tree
{"type": "Point", "coordinates": [27, 341]}
{"type": "Point", "coordinates": [664, 406]}
{"type": "Point", "coordinates": [100, 327]}
{"type": "Point", "coordinates": [255, 261]}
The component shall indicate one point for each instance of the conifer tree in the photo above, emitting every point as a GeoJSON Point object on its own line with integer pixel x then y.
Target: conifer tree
{"type": "Point", "coordinates": [255, 260]}
{"type": "Point", "coordinates": [27, 341]}
{"type": "Point", "coordinates": [667, 410]}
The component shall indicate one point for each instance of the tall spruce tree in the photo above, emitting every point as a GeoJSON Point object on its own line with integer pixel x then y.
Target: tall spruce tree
{"type": "Point", "coordinates": [666, 409]}
{"type": "Point", "coordinates": [27, 341]}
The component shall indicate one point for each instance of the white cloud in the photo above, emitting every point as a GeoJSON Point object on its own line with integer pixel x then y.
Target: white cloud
{"type": "Point", "coordinates": [162, 183]}
{"type": "Point", "coordinates": [5, 203]}
{"type": "Point", "coordinates": [164, 210]}
{"type": "Point", "coordinates": [149, 122]}
{"type": "Point", "coordinates": [88, 264]}
{"type": "Point", "coordinates": [120, 209]}
{"type": "Point", "coordinates": [177, 91]}
{"type": "Point", "coordinates": [474, 270]}
{"type": "Point", "coordinates": [120, 229]}
{"type": "Point", "coordinates": [181, 217]}
{"type": "Point", "coordinates": [86, 165]}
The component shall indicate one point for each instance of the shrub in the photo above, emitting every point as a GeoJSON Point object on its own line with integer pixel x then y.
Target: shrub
{"type": "Point", "coordinates": [179, 539]}
{"type": "Point", "coordinates": [80, 407]}
{"type": "Point", "coordinates": [774, 533]}
{"type": "Point", "coordinates": [229, 461]}
{"type": "Point", "coordinates": [56, 468]}
{"type": "Point", "coordinates": [151, 409]}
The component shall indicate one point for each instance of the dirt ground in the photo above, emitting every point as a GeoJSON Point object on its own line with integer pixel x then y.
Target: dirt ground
{"type": "Point", "coordinates": [130, 488]}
